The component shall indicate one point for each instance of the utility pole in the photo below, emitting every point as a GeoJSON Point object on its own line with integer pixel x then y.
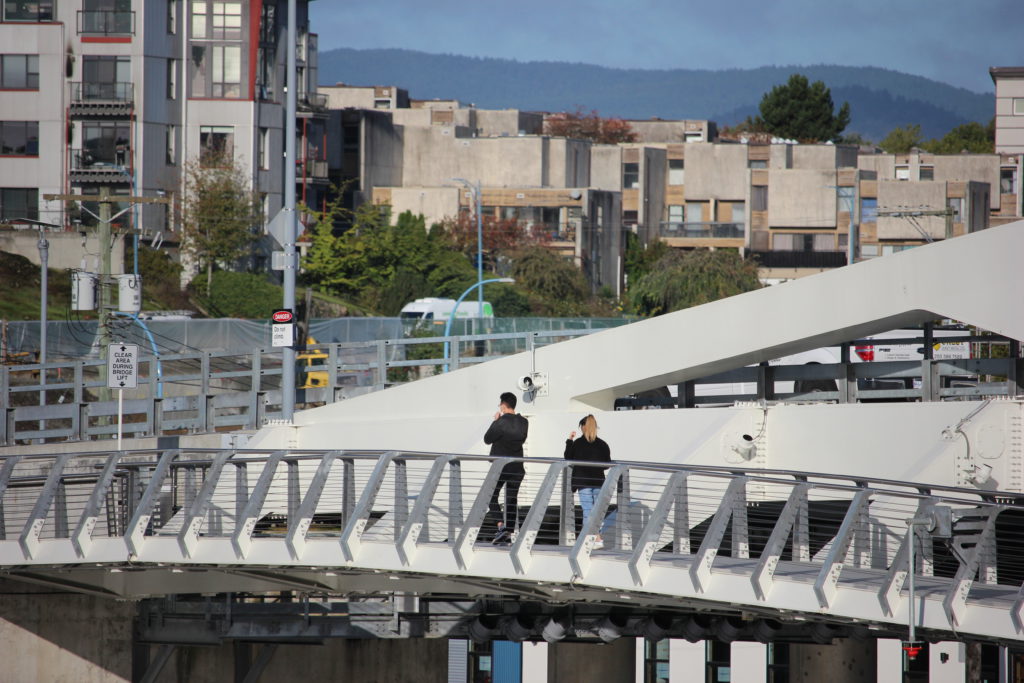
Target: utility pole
{"type": "Point", "coordinates": [105, 234]}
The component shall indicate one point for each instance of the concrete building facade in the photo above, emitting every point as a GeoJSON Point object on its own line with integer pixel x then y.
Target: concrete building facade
{"type": "Point", "coordinates": [120, 98]}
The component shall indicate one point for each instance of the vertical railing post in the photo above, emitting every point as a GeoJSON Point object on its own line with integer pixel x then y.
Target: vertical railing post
{"type": "Point", "coordinates": [401, 471]}
{"type": "Point", "coordinates": [455, 507]}
{"type": "Point", "coordinates": [567, 511]}
{"type": "Point", "coordinates": [382, 365]}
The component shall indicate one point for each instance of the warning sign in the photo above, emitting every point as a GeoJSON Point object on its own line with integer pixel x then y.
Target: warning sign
{"type": "Point", "coordinates": [122, 366]}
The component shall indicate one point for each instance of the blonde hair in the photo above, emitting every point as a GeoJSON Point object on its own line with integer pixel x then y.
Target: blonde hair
{"type": "Point", "coordinates": [589, 428]}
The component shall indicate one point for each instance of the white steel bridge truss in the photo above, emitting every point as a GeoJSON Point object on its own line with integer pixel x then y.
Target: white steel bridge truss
{"type": "Point", "coordinates": [790, 546]}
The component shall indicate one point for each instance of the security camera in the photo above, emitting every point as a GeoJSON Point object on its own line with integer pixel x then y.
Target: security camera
{"type": "Point", "coordinates": [745, 447]}
{"type": "Point", "coordinates": [525, 383]}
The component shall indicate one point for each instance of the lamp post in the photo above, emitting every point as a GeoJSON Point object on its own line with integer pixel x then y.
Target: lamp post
{"type": "Point", "coordinates": [475, 189]}
{"type": "Point", "coordinates": [44, 252]}
{"type": "Point", "coordinates": [479, 285]}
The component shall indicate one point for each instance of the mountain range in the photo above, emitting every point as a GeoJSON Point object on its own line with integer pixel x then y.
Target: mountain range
{"type": "Point", "coordinates": [880, 99]}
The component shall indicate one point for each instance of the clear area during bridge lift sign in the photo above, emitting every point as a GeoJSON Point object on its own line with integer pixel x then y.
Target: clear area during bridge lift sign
{"type": "Point", "coordinates": [122, 366]}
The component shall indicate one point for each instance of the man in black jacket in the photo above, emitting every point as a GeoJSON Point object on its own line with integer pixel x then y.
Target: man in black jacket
{"type": "Point", "coordinates": [506, 436]}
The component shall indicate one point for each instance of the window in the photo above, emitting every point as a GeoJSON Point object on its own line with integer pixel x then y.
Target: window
{"type": "Point", "coordinates": [1018, 106]}
{"type": "Point", "coordinates": [106, 78]}
{"type": "Point", "coordinates": [759, 198]}
{"type": "Point", "coordinates": [19, 202]}
{"type": "Point", "coordinates": [926, 173]}
{"type": "Point", "coordinates": [172, 79]}
{"type": "Point", "coordinates": [106, 17]}
{"type": "Point", "coordinates": [226, 21]}
{"type": "Point", "coordinates": [199, 19]}
{"type": "Point", "coordinates": [227, 71]}
{"type": "Point", "coordinates": [695, 212]}
{"type": "Point", "coordinates": [675, 213]}
{"type": "Point", "coordinates": [693, 137]}
{"type": "Point", "coordinates": [957, 204]}
{"type": "Point", "coordinates": [19, 138]}
{"type": "Point", "coordinates": [656, 660]}
{"type": "Point", "coordinates": [757, 163]}
{"type": "Point", "coordinates": [804, 242]}
{"type": "Point", "coordinates": [40, 10]}
{"type": "Point", "coordinates": [172, 16]}
{"type": "Point", "coordinates": [216, 52]}
{"type": "Point", "coordinates": [630, 175]}
{"type": "Point", "coordinates": [264, 148]}
{"type": "Point", "coordinates": [902, 173]}
{"type": "Point", "coordinates": [738, 213]}
{"type": "Point", "coordinates": [105, 143]}
{"type": "Point", "coordinates": [381, 103]}
{"type": "Point", "coordinates": [629, 218]}
{"type": "Point", "coordinates": [675, 172]}
{"type": "Point", "coordinates": [216, 143]}
{"type": "Point", "coordinates": [19, 72]}
{"type": "Point", "coordinates": [844, 197]}
{"type": "Point", "coordinates": [868, 210]}
{"type": "Point", "coordinates": [1007, 181]}
{"type": "Point", "coordinates": [170, 146]}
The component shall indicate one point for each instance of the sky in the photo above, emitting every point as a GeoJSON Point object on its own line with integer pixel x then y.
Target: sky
{"type": "Point", "coordinates": [953, 41]}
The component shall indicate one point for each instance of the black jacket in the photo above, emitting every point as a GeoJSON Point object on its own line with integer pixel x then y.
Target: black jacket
{"type": "Point", "coordinates": [594, 451]}
{"type": "Point", "coordinates": [506, 436]}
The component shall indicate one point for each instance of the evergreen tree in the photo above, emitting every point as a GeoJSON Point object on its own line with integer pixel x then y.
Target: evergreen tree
{"type": "Point", "coordinates": [803, 111]}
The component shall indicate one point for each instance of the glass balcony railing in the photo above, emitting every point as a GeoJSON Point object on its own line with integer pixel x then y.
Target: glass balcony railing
{"type": "Point", "coordinates": [703, 230]}
{"type": "Point", "coordinates": [800, 259]}
{"type": "Point", "coordinates": [106, 23]}
{"type": "Point", "coordinates": [101, 92]}
{"type": "Point", "coordinates": [100, 158]}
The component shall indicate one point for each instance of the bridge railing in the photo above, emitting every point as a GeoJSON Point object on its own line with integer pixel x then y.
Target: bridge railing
{"type": "Point", "coordinates": [240, 390]}
{"type": "Point", "coordinates": [217, 506]}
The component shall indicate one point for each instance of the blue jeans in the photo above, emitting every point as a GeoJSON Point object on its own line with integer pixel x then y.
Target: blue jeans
{"type": "Point", "coordinates": [588, 497]}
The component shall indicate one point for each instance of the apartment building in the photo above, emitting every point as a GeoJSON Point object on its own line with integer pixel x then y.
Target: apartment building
{"type": "Point", "coordinates": [117, 97]}
{"type": "Point", "coordinates": [1009, 123]}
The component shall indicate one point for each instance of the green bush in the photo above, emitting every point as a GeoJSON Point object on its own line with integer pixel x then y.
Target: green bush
{"type": "Point", "coordinates": [238, 295]}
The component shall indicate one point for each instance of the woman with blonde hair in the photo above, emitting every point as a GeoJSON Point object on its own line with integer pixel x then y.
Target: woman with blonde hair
{"type": "Point", "coordinates": [587, 481]}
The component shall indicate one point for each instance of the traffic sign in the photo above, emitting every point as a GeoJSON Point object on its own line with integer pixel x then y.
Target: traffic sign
{"type": "Point", "coordinates": [122, 366]}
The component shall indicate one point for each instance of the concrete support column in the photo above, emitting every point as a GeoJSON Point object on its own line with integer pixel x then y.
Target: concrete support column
{"type": "Point", "coordinates": [845, 661]}
{"type": "Point", "coordinates": [748, 662]}
{"type": "Point", "coordinates": [889, 661]}
{"type": "Point", "coordinates": [592, 662]}
{"type": "Point", "coordinates": [947, 662]}
{"type": "Point", "coordinates": [535, 661]}
{"type": "Point", "coordinates": [686, 660]}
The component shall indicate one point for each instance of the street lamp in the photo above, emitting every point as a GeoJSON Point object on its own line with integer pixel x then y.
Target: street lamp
{"type": "Point", "coordinates": [475, 189]}
{"type": "Point", "coordinates": [44, 252]}
{"type": "Point", "coordinates": [448, 324]}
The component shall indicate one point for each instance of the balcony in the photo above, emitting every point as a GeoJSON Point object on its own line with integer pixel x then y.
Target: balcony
{"type": "Point", "coordinates": [103, 164]}
{"type": "Point", "coordinates": [101, 99]}
{"type": "Point", "coordinates": [800, 259]}
{"type": "Point", "coordinates": [702, 230]}
{"type": "Point", "coordinates": [311, 169]}
{"type": "Point", "coordinates": [311, 101]}
{"type": "Point", "coordinates": [106, 23]}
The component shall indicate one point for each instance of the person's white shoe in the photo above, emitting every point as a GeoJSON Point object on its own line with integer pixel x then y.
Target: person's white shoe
{"type": "Point", "coordinates": [598, 544]}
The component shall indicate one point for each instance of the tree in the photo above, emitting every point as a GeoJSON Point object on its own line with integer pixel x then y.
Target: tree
{"type": "Point", "coordinates": [971, 137]}
{"type": "Point", "coordinates": [584, 126]}
{"type": "Point", "coordinates": [500, 236]}
{"type": "Point", "coordinates": [554, 285]}
{"type": "Point", "coordinates": [221, 213]}
{"type": "Point", "coordinates": [681, 279]}
{"type": "Point", "coordinates": [803, 111]}
{"type": "Point", "coordinates": [902, 140]}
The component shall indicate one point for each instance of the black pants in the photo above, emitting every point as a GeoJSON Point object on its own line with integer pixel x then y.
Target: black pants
{"type": "Point", "coordinates": [511, 481]}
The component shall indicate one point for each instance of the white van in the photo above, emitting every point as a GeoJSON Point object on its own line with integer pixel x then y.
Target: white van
{"type": "Point", "coordinates": [432, 308]}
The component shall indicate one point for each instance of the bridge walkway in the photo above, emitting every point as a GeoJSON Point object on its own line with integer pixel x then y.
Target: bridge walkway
{"type": "Point", "coordinates": [783, 547]}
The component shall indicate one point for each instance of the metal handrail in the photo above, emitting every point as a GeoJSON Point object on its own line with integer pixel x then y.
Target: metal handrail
{"type": "Point", "coordinates": [176, 508]}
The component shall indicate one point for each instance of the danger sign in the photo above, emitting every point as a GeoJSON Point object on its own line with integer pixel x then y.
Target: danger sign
{"type": "Point", "coordinates": [282, 315]}
{"type": "Point", "coordinates": [122, 366]}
